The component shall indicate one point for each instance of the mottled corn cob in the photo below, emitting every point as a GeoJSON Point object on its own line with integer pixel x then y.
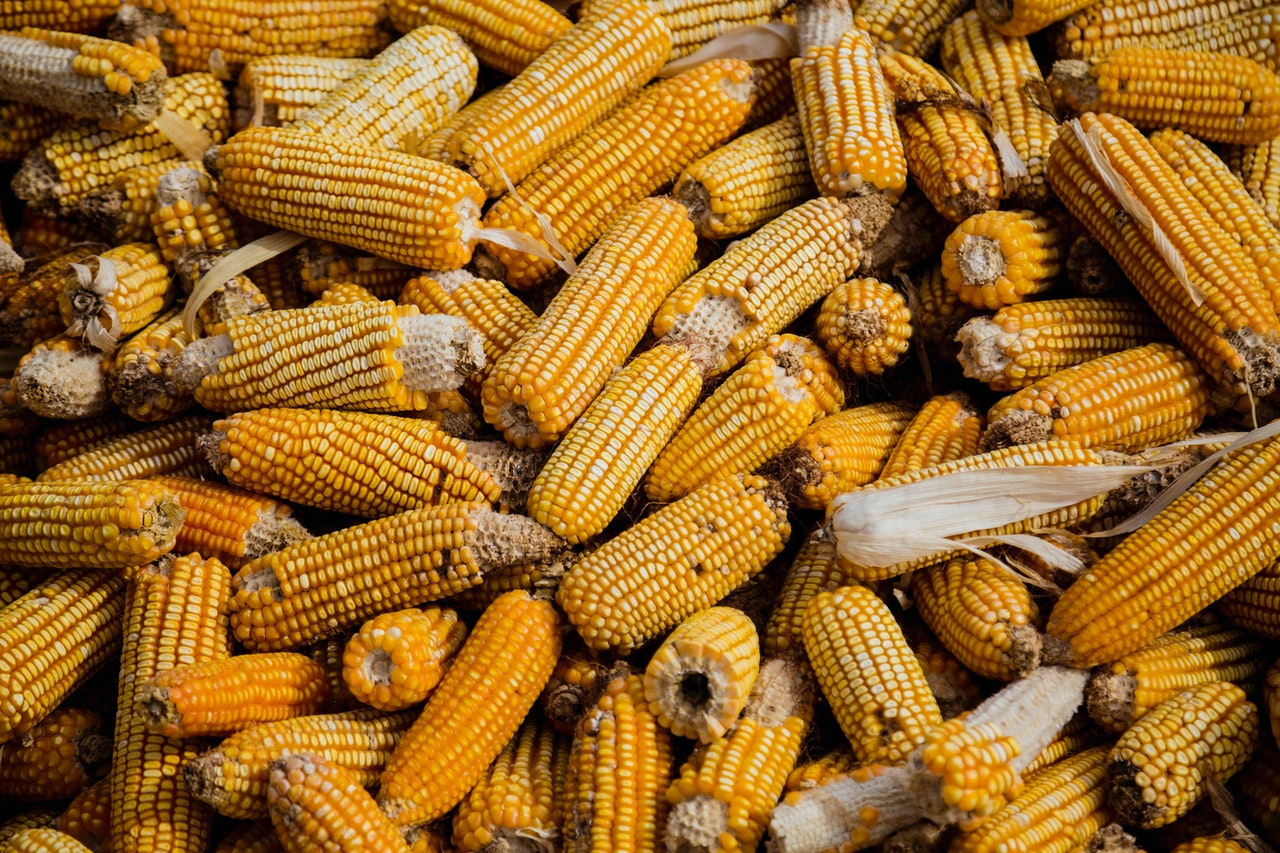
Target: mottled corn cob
{"type": "Point", "coordinates": [946, 427]}
{"type": "Point", "coordinates": [57, 758]}
{"type": "Point", "coordinates": [167, 448]}
{"type": "Point", "coordinates": [865, 325]}
{"type": "Point", "coordinates": [505, 36]}
{"type": "Point", "coordinates": [275, 90]}
{"type": "Point", "coordinates": [397, 658]}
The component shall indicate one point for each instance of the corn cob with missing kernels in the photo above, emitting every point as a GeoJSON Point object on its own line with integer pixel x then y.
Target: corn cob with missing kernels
{"type": "Point", "coordinates": [142, 375]}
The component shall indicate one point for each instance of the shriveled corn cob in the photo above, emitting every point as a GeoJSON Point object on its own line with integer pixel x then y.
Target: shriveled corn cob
{"type": "Point", "coordinates": [575, 684]}
{"type": "Point", "coordinates": [175, 614]}
{"type": "Point", "coordinates": [317, 588]}
{"type": "Point", "coordinates": [1129, 400]}
{"type": "Point", "coordinates": [478, 706]}
{"type": "Point", "coordinates": [588, 185]}
{"type": "Point", "coordinates": [59, 442]}
{"type": "Point", "coordinates": [115, 294]}
{"type": "Point", "coordinates": [397, 658]}
{"type": "Point", "coordinates": [81, 157]}
{"type": "Point", "coordinates": [44, 840]}
{"type": "Point", "coordinates": [619, 770]}
{"type": "Point", "coordinates": [602, 458]}
{"type": "Point", "coordinates": [1001, 70]}
{"type": "Point", "coordinates": [373, 356]}
{"type": "Point", "coordinates": [196, 35]}
{"type": "Point", "coordinates": [869, 675]}
{"type": "Point", "coordinates": [117, 85]}
{"type": "Point", "coordinates": [257, 836]}
{"type": "Point", "coordinates": [1123, 692]}
{"type": "Point", "coordinates": [726, 790]}
{"type": "Point", "coordinates": [1255, 604]}
{"type": "Point", "coordinates": [57, 758]}
{"type": "Point", "coordinates": [167, 448]}
{"type": "Point", "coordinates": [913, 28]}
{"type": "Point", "coordinates": [315, 804]}
{"type": "Point", "coordinates": [865, 325]}
{"type": "Point", "coordinates": [815, 569]}
{"type": "Point", "coordinates": [822, 769]}
{"type": "Point", "coordinates": [948, 154]}
{"type": "Point", "coordinates": [62, 378]}
{"type": "Point", "coordinates": [940, 314]}
{"type": "Point", "coordinates": [88, 817]}
{"type": "Point", "coordinates": [275, 90]}
{"type": "Point", "coordinates": [767, 279]}
{"type": "Point", "coordinates": [506, 37]}
{"type": "Point", "coordinates": [748, 181]}
{"type": "Point", "coordinates": [1258, 168]}
{"type": "Point", "coordinates": [521, 795]}
{"type": "Point", "coordinates": [946, 427]}
{"type": "Point", "coordinates": [1002, 257]}
{"type": "Point", "coordinates": [120, 209]}
{"type": "Point", "coordinates": [142, 375]}
{"type": "Point", "coordinates": [761, 408]}
{"type": "Point", "coordinates": [22, 126]}
{"type": "Point", "coordinates": [29, 309]}
{"type": "Point", "coordinates": [1104, 25]}
{"type": "Point", "coordinates": [1024, 343]}
{"type": "Point", "coordinates": [543, 383]}
{"type": "Point", "coordinates": [677, 561]}
{"type": "Point", "coordinates": [1217, 97]}
{"type": "Point", "coordinates": [232, 777]}
{"type": "Point", "coordinates": [839, 452]}
{"type": "Point", "coordinates": [1215, 535]}
{"type": "Point", "coordinates": [1158, 768]}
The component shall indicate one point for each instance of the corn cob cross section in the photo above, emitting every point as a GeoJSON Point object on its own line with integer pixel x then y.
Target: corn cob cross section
{"type": "Point", "coordinates": [865, 325]}
{"type": "Point", "coordinates": [396, 659]}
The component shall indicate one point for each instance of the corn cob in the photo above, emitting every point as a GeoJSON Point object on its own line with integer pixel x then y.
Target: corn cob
{"type": "Point", "coordinates": [946, 427]}
{"type": "Point", "coordinates": [1122, 693]}
{"type": "Point", "coordinates": [141, 379]}
{"type": "Point", "coordinates": [114, 84]}
{"type": "Point", "coordinates": [1255, 604]}
{"type": "Point", "coordinates": [478, 706]}
{"type": "Point", "coordinates": [913, 28]}
{"type": "Point", "coordinates": [29, 310]}
{"type": "Point", "coordinates": [370, 356]}
{"type": "Point", "coordinates": [120, 209]}
{"type": "Point", "coordinates": [1214, 534]}
{"type": "Point", "coordinates": [915, 230]}
{"type": "Point", "coordinates": [319, 587]}
{"type": "Point", "coordinates": [22, 126]}
{"type": "Point", "coordinates": [576, 683]}
{"type": "Point", "coordinates": [775, 94]}
{"type": "Point", "coordinates": [726, 791]}
{"type": "Point", "coordinates": [316, 804]}
{"type": "Point", "coordinates": [677, 561]}
{"type": "Point", "coordinates": [1024, 17]}
{"type": "Point", "coordinates": [1104, 25]}
{"type": "Point", "coordinates": [940, 314]}
{"type": "Point", "coordinates": [319, 266]}
{"type": "Point", "coordinates": [646, 144]}
{"type": "Point", "coordinates": [257, 836]}
{"type": "Point", "coordinates": [275, 90]}
{"type": "Point", "coordinates": [57, 758]}
{"type": "Point", "coordinates": [125, 290]}
{"type": "Point", "coordinates": [948, 154]}
{"type": "Point", "coordinates": [1258, 169]}
{"type": "Point", "coordinates": [955, 688]}
{"type": "Point", "coordinates": [548, 378]}
{"type": "Point", "coordinates": [1002, 257]}
{"type": "Point", "coordinates": [44, 840]}
{"type": "Point", "coordinates": [694, 23]}
{"type": "Point", "coordinates": [435, 145]}
{"type": "Point", "coordinates": [188, 220]}
{"type": "Point", "coordinates": [1258, 787]}
{"type": "Point", "coordinates": [59, 442]}
{"type": "Point", "coordinates": [1076, 736]}
{"type": "Point", "coordinates": [865, 325]}
{"type": "Point", "coordinates": [556, 93]}
{"type": "Point", "coordinates": [88, 817]}
{"type": "Point", "coordinates": [821, 770]}
{"type": "Point", "coordinates": [520, 799]}
{"type": "Point", "coordinates": [506, 37]}
{"type": "Point", "coordinates": [14, 583]}
{"type": "Point", "coordinates": [198, 35]}
{"type": "Point", "coordinates": [344, 293]}
{"type": "Point", "coordinates": [397, 658]}
{"type": "Point", "coordinates": [594, 469]}
{"type": "Point", "coordinates": [845, 107]}
{"type": "Point", "coordinates": [814, 569]}
{"type": "Point", "coordinates": [1210, 844]}
{"type": "Point", "coordinates": [1158, 768]}
{"type": "Point", "coordinates": [328, 653]}
{"type": "Point", "coordinates": [619, 769]}
{"type": "Point", "coordinates": [232, 777]}
{"type": "Point", "coordinates": [1217, 97]}
{"type": "Point", "coordinates": [174, 615]}
{"type": "Point", "coordinates": [63, 379]}
{"type": "Point", "coordinates": [81, 157]}
{"type": "Point", "coordinates": [78, 16]}
{"type": "Point", "coordinates": [167, 448]}
{"type": "Point", "coordinates": [767, 279]}
{"type": "Point", "coordinates": [32, 818]}
{"type": "Point", "coordinates": [1231, 335]}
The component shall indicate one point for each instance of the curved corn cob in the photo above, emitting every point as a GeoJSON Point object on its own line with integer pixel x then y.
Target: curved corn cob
{"type": "Point", "coordinates": [1258, 168]}
{"type": "Point", "coordinates": [945, 428]}
{"type": "Point", "coordinates": [29, 311]}
{"type": "Point", "coordinates": [1214, 534]}
{"type": "Point", "coordinates": [1102, 26]}
{"type": "Point", "coordinates": [275, 90]}
{"type": "Point", "coordinates": [315, 589]}
{"type": "Point", "coordinates": [1001, 257]}
{"type": "Point", "coordinates": [315, 803]}
{"type": "Point", "coordinates": [167, 448]}
{"type": "Point", "coordinates": [88, 817]}
{"type": "Point", "coordinates": [619, 770]}
{"type": "Point", "coordinates": [677, 561]}
{"type": "Point", "coordinates": [56, 758]}
{"type": "Point", "coordinates": [506, 36]}
{"type": "Point", "coordinates": [543, 383]}
{"type": "Point", "coordinates": [1255, 604]}
{"type": "Point", "coordinates": [478, 706]}
{"type": "Point", "coordinates": [1158, 766]}
{"type": "Point", "coordinates": [44, 840]}
{"type": "Point", "coordinates": [604, 455]}
{"type": "Point", "coordinates": [232, 777]}
{"type": "Point", "coordinates": [125, 290]}
{"type": "Point", "coordinates": [865, 325]}
{"type": "Point", "coordinates": [397, 658]}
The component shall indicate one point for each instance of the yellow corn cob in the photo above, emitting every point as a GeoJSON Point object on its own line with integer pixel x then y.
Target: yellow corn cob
{"type": "Point", "coordinates": [1255, 604]}
{"type": "Point", "coordinates": [1217, 97]}
{"type": "Point", "coordinates": [14, 583]}
{"type": "Point", "coordinates": [1157, 770]}
{"type": "Point", "coordinates": [435, 145]}
{"type": "Point", "coordinates": [1001, 257]}
{"type": "Point", "coordinates": [274, 279]}
{"type": "Point", "coordinates": [44, 840]}
{"type": "Point", "coordinates": [62, 378]}
{"type": "Point", "coordinates": [77, 16]}
{"type": "Point", "coordinates": [1249, 34]}
{"type": "Point", "coordinates": [122, 292]}
{"type": "Point", "coordinates": [167, 448]}
{"type": "Point", "coordinates": [1214, 534]}
{"type": "Point", "coordinates": [478, 706]}
{"type": "Point", "coordinates": [521, 795]}
{"type": "Point", "coordinates": [1024, 17]}
{"type": "Point", "coordinates": [1210, 844]}
{"type": "Point", "coordinates": [594, 469]}
{"type": "Point", "coordinates": [1258, 788]}
{"type": "Point", "coordinates": [1060, 808]}
{"type": "Point", "coordinates": [275, 90]}
{"type": "Point", "coordinates": [257, 836]}
{"type": "Point", "coordinates": [547, 379]}
{"type": "Point", "coordinates": [1104, 25]}
{"type": "Point", "coordinates": [767, 279]}
{"type": "Point", "coordinates": [504, 36]}
{"type": "Point", "coordinates": [847, 114]}
{"type": "Point", "coordinates": [871, 678]}
{"type": "Point", "coordinates": [1129, 400]}
{"type": "Point", "coordinates": [319, 265]}
{"type": "Point", "coordinates": [946, 427]}
{"type": "Point", "coordinates": [531, 577]}
{"type": "Point", "coordinates": [188, 218]}
{"type": "Point", "coordinates": [315, 803]}
{"type": "Point", "coordinates": [762, 407]}
{"type": "Point", "coordinates": [588, 185]}
{"type": "Point", "coordinates": [81, 157]}
{"type": "Point", "coordinates": [328, 653]}
{"type": "Point", "coordinates": [397, 658]}
{"type": "Point", "coordinates": [120, 210]}
{"type": "Point", "coordinates": [1027, 342]}
{"type": "Point", "coordinates": [745, 183]}
{"type": "Point", "coordinates": [1231, 335]}
{"type": "Point", "coordinates": [1258, 168]}
{"type": "Point", "coordinates": [948, 154]}
{"type": "Point", "coordinates": [865, 325]}
{"type": "Point", "coordinates": [22, 126]}
{"type": "Point", "coordinates": [29, 311]}
{"type": "Point", "coordinates": [344, 292]}
{"type": "Point", "coordinates": [726, 791]}
{"type": "Point", "coordinates": [619, 769]}
{"type": "Point", "coordinates": [141, 379]}
{"type": "Point", "coordinates": [677, 561]}
{"type": "Point", "coordinates": [59, 442]}
{"type": "Point", "coordinates": [775, 94]}
{"type": "Point", "coordinates": [373, 465]}
{"type": "Point", "coordinates": [175, 614]}
{"type": "Point", "coordinates": [319, 587]}
{"type": "Point", "coordinates": [232, 777]}
{"type": "Point", "coordinates": [940, 314]}
{"type": "Point", "coordinates": [693, 23]}
{"type": "Point", "coordinates": [913, 28]}
{"type": "Point", "coordinates": [822, 769]}
{"type": "Point", "coordinates": [32, 818]}
{"type": "Point", "coordinates": [1120, 694]}
{"type": "Point", "coordinates": [197, 35]}
{"type": "Point", "coordinates": [575, 684]}
{"type": "Point", "coordinates": [815, 569]}
{"type": "Point", "coordinates": [57, 758]}
{"type": "Point", "coordinates": [88, 817]}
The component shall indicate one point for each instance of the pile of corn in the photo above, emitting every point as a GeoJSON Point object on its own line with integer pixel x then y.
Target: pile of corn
{"type": "Point", "coordinates": [677, 425]}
